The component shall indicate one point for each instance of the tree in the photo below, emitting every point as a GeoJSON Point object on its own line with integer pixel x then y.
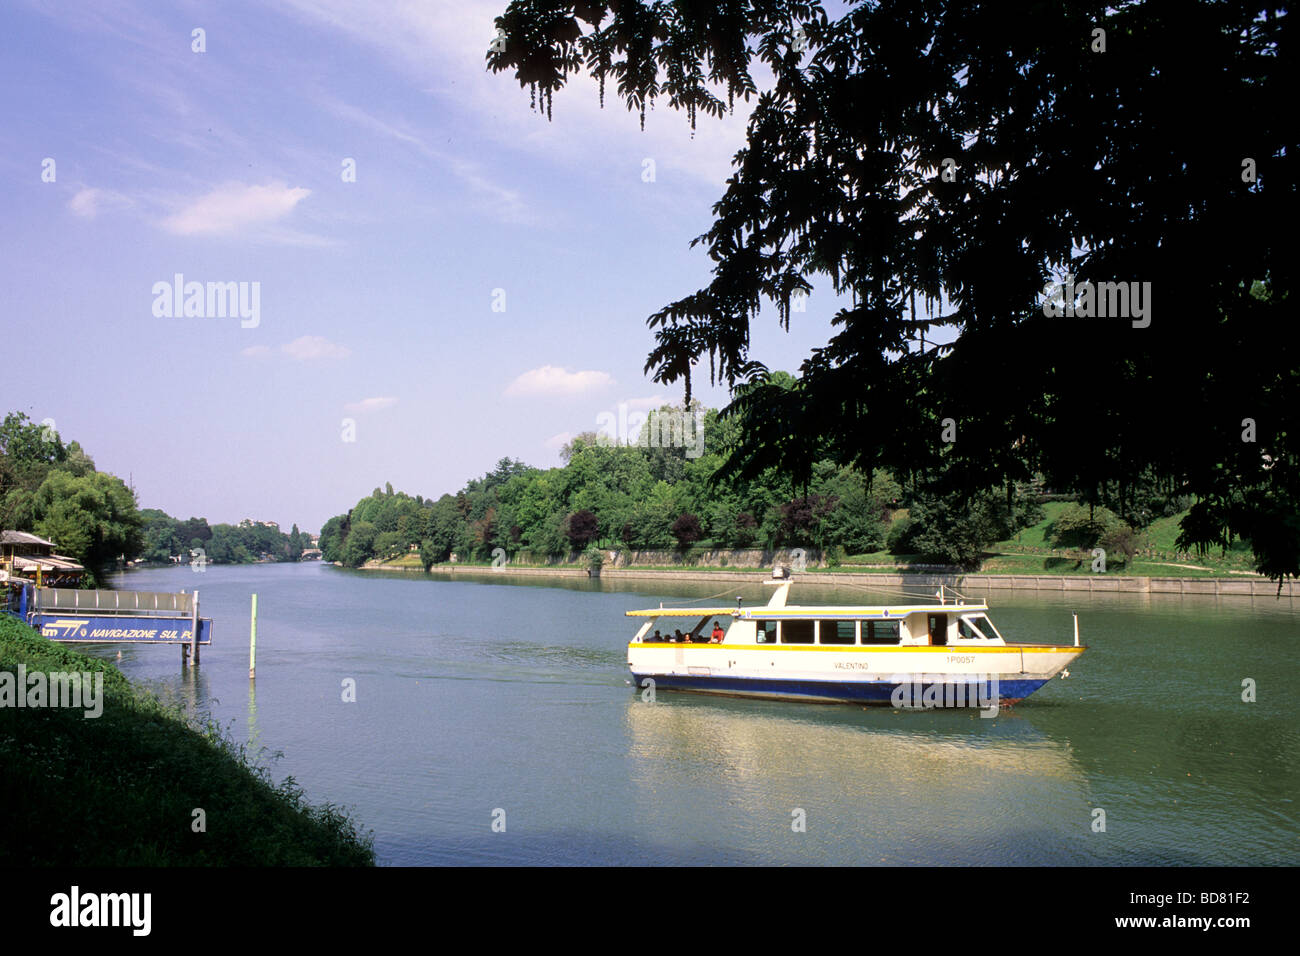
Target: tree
{"type": "Point", "coordinates": [194, 528]}
{"type": "Point", "coordinates": [25, 441]}
{"type": "Point", "coordinates": [442, 528]}
{"type": "Point", "coordinates": [582, 528]}
{"type": "Point", "coordinates": [952, 157]}
{"type": "Point", "coordinates": [161, 541]}
{"type": "Point", "coordinates": [92, 517]}
{"type": "Point", "coordinates": [860, 519]}
{"type": "Point", "coordinates": [952, 529]}
{"type": "Point", "coordinates": [332, 537]}
{"type": "Point", "coordinates": [360, 546]}
{"type": "Point", "coordinates": [388, 544]}
{"type": "Point", "coordinates": [803, 520]}
{"type": "Point", "coordinates": [686, 529]}
{"type": "Point", "coordinates": [227, 546]}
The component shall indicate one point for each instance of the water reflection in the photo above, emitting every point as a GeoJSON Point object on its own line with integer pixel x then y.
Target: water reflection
{"type": "Point", "coordinates": [876, 786]}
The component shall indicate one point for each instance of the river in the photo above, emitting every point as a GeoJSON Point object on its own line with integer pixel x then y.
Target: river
{"type": "Point", "coordinates": [494, 723]}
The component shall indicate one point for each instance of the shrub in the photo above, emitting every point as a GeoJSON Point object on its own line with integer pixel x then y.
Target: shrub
{"type": "Point", "coordinates": [899, 538]}
{"type": "Point", "coordinates": [1122, 539]}
{"type": "Point", "coordinates": [1079, 527]}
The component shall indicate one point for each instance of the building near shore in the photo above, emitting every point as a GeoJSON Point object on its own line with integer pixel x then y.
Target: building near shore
{"type": "Point", "coordinates": [32, 558]}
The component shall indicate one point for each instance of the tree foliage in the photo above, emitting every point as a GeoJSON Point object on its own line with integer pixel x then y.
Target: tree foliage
{"type": "Point", "coordinates": [937, 165]}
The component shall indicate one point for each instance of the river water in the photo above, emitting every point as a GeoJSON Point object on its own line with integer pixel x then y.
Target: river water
{"type": "Point", "coordinates": [508, 701]}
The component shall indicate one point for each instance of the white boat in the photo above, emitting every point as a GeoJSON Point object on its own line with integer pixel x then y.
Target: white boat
{"type": "Point", "coordinates": [945, 654]}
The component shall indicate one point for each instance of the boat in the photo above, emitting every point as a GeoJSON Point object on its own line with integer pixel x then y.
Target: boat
{"type": "Point", "coordinates": [910, 656]}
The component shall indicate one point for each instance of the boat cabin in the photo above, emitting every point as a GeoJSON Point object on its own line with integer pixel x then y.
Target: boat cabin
{"type": "Point", "coordinates": [927, 626]}
{"type": "Point", "coordinates": [912, 625]}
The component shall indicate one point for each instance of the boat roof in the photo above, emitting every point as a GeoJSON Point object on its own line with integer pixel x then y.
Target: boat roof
{"type": "Point", "coordinates": [797, 612]}
{"type": "Point", "coordinates": [683, 612]}
{"type": "Point", "coordinates": [794, 612]}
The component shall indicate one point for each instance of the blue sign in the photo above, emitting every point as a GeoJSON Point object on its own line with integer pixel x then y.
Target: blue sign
{"type": "Point", "coordinates": [148, 630]}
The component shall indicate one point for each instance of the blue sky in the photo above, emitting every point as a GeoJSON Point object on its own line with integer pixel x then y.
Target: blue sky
{"type": "Point", "coordinates": [376, 296]}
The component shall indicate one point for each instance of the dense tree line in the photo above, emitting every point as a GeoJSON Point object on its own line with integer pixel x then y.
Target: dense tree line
{"type": "Point", "coordinates": [168, 539]}
{"type": "Point", "coordinates": [642, 497]}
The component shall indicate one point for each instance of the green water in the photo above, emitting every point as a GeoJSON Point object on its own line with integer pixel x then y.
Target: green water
{"type": "Point", "coordinates": [491, 701]}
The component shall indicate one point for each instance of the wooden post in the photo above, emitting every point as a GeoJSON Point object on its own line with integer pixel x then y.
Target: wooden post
{"type": "Point", "coordinates": [194, 627]}
{"type": "Point", "coordinates": [252, 643]}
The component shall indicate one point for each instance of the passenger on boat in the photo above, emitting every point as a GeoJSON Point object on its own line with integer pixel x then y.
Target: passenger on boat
{"type": "Point", "coordinates": [716, 636]}
{"type": "Point", "coordinates": [658, 638]}
{"type": "Point", "coordinates": [677, 636]}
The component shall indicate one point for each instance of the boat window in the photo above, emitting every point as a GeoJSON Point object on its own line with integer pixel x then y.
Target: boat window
{"type": "Point", "coordinates": [880, 632]}
{"type": "Point", "coordinates": [983, 627]}
{"type": "Point", "coordinates": [966, 631]}
{"type": "Point", "coordinates": [837, 632]}
{"type": "Point", "coordinates": [766, 632]}
{"type": "Point", "coordinates": [796, 632]}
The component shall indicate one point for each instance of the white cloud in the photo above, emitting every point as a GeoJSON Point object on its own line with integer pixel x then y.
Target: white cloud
{"type": "Point", "coordinates": [311, 348]}
{"type": "Point", "coordinates": [88, 202]}
{"type": "Point", "coordinates": [234, 207]}
{"type": "Point", "coordinates": [370, 404]}
{"type": "Point", "coordinates": [306, 348]}
{"type": "Point", "coordinates": [553, 380]}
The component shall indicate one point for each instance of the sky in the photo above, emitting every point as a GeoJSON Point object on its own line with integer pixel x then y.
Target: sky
{"type": "Point", "coordinates": [442, 278]}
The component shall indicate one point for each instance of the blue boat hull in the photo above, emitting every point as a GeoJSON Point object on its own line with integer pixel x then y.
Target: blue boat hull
{"type": "Point", "coordinates": [848, 692]}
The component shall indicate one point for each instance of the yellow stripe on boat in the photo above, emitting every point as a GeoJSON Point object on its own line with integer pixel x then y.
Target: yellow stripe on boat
{"type": "Point", "coordinates": [684, 612]}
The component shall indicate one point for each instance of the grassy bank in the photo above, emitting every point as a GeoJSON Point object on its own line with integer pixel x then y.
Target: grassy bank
{"type": "Point", "coordinates": [1031, 552]}
{"type": "Point", "coordinates": [121, 789]}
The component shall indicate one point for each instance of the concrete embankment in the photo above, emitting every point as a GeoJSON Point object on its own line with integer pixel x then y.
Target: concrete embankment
{"type": "Point", "coordinates": [1089, 584]}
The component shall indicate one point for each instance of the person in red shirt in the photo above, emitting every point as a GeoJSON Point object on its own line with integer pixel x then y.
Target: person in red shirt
{"type": "Point", "coordinates": [716, 636]}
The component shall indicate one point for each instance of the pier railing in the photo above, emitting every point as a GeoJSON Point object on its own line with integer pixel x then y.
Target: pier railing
{"type": "Point", "coordinates": [110, 603]}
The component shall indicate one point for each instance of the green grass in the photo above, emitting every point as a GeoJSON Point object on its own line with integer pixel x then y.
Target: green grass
{"type": "Point", "coordinates": [408, 560]}
{"type": "Point", "coordinates": [120, 789]}
{"type": "Point", "coordinates": [1031, 552]}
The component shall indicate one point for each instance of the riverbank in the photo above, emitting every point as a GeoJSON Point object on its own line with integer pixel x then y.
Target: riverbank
{"type": "Point", "coordinates": [140, 785]}
{"type": "Point", "coordinates": [1078, 583]}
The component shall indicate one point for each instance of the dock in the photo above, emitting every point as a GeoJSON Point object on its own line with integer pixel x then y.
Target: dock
{"type": "Point", "coordinates": [75, 616]}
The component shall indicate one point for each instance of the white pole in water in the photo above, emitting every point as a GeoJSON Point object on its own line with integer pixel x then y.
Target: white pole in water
{"type": "Point", "coordinates": [194, 627]}
{"type": "Point", "coordinates": [252, 644]}
{"type": "Point", "coordinates": [1076, 627]}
